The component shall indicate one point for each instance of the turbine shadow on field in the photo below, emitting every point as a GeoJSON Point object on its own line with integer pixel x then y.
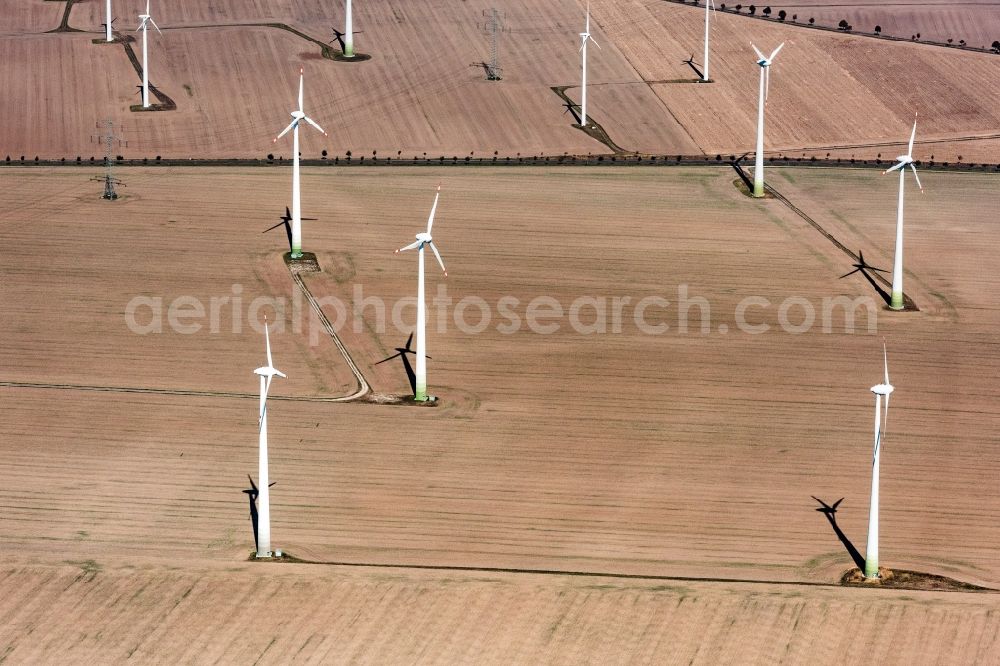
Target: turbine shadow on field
{"type": "Point", "coordinates": [401, 352]}
{"type": "Point", "coordinates": [863, 268]}
{"type": "Point", "coordinates": [252, 493]}
{"type": "Point", "coordinates": [830, 512]}
{"type": "Point", "coordinates": [690, 63]}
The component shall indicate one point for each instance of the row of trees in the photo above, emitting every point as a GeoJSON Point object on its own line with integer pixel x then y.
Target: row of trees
{"type": "Point", "coordinates": [842, 25]}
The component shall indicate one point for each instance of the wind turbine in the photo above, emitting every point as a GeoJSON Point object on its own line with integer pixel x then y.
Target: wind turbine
{"type": "Point", "coordinates": [348, 32]}
{"type": "Point", "coordinates": [584, 38]}
{"type": "Point", "coordinates": [143, 20]}
{"type": "Point", "coordinates": [297, 116]}
{"type": "Point", "coordinates": [896, 302]}
{"type": "Point", "coordinates": [267, 373]}
{"type": "Point", "coordinates": [883, 389]}
{"type": "Point", "coordinates": [765, 81]}
{"type": "Point", "coordinates": [424, 238]}
{"type": "Point", "coordinates": [704, 74]}
{"type": "Point", "coordinates": [107, 26]}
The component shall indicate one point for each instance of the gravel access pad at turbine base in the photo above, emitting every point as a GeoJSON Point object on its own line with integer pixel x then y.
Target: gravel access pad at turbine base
{"type": "Point", "coordinates": [673, 454]}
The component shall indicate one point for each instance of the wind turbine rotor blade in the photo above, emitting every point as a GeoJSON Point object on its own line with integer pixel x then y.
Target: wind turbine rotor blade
{"type": "Point", "coordinates": [780, 46]}
{"type": "Point", "coordinates": [267, 388]}
{"type": "Point", "coordinates": [595, 42]}
{"type": "Point", "coordinates": [313, 123]}
{"type": "Point", "coordinates": [286, 130]}
{"type": "Point", "coordinates": [430, 219]}
{"type": "Point", "coordinates": [155, 26]}
{"type": "Point", "coordinates": [917, 178]}
{"type": "Point", "coordinates": [438, 255]}
{"type": "Point", "coordinates": [279, 224]}
{"type": "Point", "coordinates": [412, 246]}
{"type": "Point", "coordinates": [252, 484]}
{"type": "Point", "coordinates": [767, 82]}
{"type": "Point", "coordinates": [301, 86]}
{"type": "Point", "coordinates": [913, 135]}
{"type": "Point", "coordinates": [388, 358]}
{"type": "Point", "coordinates": [851, 273]}
{"type": "Point", "coordinates": [885, 421]}
{"type": "Point", "coordinates": [899, 165]}
{"type": "Point", "coordinates": [280, 373]}
{"type": "Point", "coordinates": [409, 340]}
{"type": "Point", "coordinates": [267, 343]}
{"type": "Point", "coordinates": [885, 359]}
{"type": "Point", "coordinates": [757, 50]}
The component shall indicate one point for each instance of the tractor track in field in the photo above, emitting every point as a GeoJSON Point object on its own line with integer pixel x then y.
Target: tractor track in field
{"type": "Point", "coordinates": [364, 388]}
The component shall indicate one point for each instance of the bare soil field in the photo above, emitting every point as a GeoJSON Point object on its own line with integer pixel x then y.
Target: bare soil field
{"type": "Point", "coordinates": [304, 614]}
{"type": "Point", "coordinates": [422, 91]}
{"type": "Point", "coordinates": [975, 21]}
{"type": "Point", "coordinates": [31, 16]}
{"type": "Point", "coordinates": [826, 89]}
{"type": "Point", "coordinates": [673, 454]}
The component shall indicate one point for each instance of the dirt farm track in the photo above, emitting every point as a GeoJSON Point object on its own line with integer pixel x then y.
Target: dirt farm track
{"type": "Point", "coordinates": [681, 458]}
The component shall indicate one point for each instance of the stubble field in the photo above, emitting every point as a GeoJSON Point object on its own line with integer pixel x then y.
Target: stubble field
{"type": "Point", "coordinates": [675, 454]}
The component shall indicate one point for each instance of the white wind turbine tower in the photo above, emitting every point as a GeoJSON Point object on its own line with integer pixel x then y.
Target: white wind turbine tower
{"type": "Point", "coordinates": [267, 373]}
{"type": "Point", "coordinates": [704, 75]}
{"type": "Point", "coordinates": [143, 20]}
{"type": "Point", "coordinates": [584, 38]}
{"type": "Point", "coordinates": [765, 82]}
{"type": "Point", "coordinates": [883, 389]}
{"type": "Point", "coordinates": [348, 32]}
{"type": "Point", "coordinates": [896, 301]}
{"type": "Point", "coordinates": [297, 116]}
{"type": "Point", "coordinates": [420, 393]}
{"type": "Point", "coordinates": [107, 26]}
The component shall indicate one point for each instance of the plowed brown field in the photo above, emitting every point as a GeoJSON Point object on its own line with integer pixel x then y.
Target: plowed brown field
{"type": "Point", "coordinates": [826, 89]}
{"type": "Point", "coordinates": [324, 615]}
{"type": "Point", "coordinates": [422, 92]}
{"type": "Point", "coordinates": [674, 454]}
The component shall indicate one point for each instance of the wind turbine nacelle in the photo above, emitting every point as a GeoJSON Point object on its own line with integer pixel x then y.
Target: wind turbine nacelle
{"type": "Point", "coordinates": [298, 115]}
{"type": "Point", "coordinates": [424, 237]}
{"type": "Point", "coordinates": [905, 159]}
{"type": "Point", "coordinates": [883, 389]}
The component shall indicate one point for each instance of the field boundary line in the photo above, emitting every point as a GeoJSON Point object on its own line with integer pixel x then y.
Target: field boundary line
{"type": "Point", "coordinates": [163, 391]}
{"type": "Point", "coordinates": [600, 574]}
